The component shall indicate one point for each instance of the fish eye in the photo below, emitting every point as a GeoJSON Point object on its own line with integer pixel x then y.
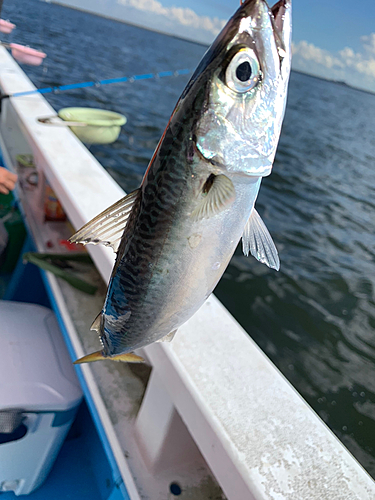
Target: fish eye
{"type": "Point", "coordinates": [243, 71]}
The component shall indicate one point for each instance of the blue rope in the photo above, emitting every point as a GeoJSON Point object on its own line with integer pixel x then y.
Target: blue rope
{"type": "Point", "coordinates": [130, 79]}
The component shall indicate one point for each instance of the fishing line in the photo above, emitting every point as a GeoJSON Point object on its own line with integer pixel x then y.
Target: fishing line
{"type": "Point", "coordinates": [98, 83]}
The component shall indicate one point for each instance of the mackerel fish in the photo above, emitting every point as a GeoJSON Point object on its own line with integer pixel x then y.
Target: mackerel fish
{"type": "Point", "coordinates": [175, 235]}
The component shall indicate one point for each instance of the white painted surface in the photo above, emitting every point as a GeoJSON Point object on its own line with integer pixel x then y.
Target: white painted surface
{"type": "Point", "coordinates": [160, 434]}
{"type": "Point", "coordinates": [259, 437]}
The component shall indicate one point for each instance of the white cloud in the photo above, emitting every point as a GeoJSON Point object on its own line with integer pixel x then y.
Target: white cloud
{"type": "Point", "coordinates": [369, 43]}
{"type": "Point", "coordinates": [347, 53]}
{"type": "Point", "coordinates": [355, 68]}
{"type": "Point", "coordinates": [184, 16]}
{"type": "Point", "coordinates": [310, 52]}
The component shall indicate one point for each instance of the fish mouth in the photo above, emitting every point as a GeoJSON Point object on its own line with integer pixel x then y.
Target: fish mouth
{"type": "Point", "coordinates": [280, 15]}
{"type": "Point", "coordinates": [278, 11]}
{"type": "Point", "coordinates": [281, 20]}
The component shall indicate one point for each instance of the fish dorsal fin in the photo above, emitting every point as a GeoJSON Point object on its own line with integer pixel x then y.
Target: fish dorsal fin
{"type": "Point", "coordinates": [107, 227]}
{"type": "Point", "coordinates": [257, 240]}
{"type": "Point", "coordinates": [168, 338]}
{"type": "Point", "coordinates": [217, 194]}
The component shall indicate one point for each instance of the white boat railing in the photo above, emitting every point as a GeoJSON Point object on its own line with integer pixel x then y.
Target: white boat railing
{"type": "Point", "coordinates": [212, 389]}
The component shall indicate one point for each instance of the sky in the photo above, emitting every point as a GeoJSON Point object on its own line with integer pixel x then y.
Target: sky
{"type": "Point", "coordinates": [333, 39]}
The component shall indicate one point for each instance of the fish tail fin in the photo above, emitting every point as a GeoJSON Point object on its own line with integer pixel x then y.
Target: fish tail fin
{"type": "Point", "coordinates": [97, 323]}
{"type": "Point", "coordinates": [99, 356]}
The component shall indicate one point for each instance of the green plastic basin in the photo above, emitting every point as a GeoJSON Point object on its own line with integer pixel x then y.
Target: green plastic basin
{"type": "Point", "coordinates": [101, 126]}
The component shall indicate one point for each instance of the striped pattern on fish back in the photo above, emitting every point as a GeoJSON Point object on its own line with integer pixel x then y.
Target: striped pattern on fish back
{"type": "Point", "coordinates": [137, 289]}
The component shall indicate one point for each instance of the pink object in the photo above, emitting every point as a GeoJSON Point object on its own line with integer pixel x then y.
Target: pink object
{"type": "Point", "coordinates": [6, 26]}
{"type": "Point", "coordinates": [27, 55]}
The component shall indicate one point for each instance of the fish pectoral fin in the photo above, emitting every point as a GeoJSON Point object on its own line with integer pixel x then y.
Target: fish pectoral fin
{"type": "Point", "coordinates": [217, 194]}
{"type": "Point", "coordinates": [107, 227]}
{"type": "Point", "coordinates": [168, 338]}
{"type": "Point", "coordinates": [99, 356]}
{"type": "Point", "coordinates": [257, 240]}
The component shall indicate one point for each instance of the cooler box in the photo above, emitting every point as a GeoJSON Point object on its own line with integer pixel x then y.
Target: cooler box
{"type": "Point", "coordinates": [39, 395]}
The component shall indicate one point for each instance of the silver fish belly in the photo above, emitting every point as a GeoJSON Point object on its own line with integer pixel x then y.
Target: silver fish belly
{"type": "Point", "coordinates": [180, 266]}
{"type": "Point", "coordinates": [175, 235]}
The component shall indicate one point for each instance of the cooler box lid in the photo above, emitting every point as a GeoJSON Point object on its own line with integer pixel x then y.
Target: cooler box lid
{"type": "Point", "coordinates": [36, 372]}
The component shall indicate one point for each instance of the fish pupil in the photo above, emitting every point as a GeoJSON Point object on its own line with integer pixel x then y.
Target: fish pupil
{"type": "Point", "coordinates": [243, 71]}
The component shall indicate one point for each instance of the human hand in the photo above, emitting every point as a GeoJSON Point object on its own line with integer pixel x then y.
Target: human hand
{"type": "Point", "coordinates": [7, 180]}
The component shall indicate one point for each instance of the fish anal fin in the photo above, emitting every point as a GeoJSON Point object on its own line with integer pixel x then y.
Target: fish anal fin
{"type": "Point", "coordinates": [107, 227]}
{"type": "Point", "coordinates": [99, 356]}
{"type": "Point", "coordinates": [257, 240]}
{"type": "Point", "coordinates": [168, 338]}
{"type": "Point", "coordinates": [217, 194]}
